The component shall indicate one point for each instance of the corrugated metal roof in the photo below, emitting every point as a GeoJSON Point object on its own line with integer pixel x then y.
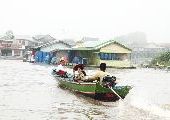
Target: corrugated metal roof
{"type": "Point", "coordinates": [70, 42]}
{"type": "Point", "coordinates": [93, 45]}
{"type": "Point", "coordinates": [57, 45]}
{"type": "Point", "coordinates": [90, 44]}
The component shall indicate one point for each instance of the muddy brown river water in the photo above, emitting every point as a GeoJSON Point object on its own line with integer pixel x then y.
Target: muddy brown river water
{"type": "Point", "coordinates": [29, 92]}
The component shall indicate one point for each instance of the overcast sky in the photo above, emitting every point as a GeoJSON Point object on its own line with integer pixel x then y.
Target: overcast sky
{"type": "Point", "coordinates": [105, 19]}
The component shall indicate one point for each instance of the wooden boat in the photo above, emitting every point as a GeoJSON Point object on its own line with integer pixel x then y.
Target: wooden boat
{"type": "Point", "coordinates": [94, 89]}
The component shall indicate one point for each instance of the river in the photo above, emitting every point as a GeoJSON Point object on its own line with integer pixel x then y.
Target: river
{"type": "Point", "coordinates": [29, 92]}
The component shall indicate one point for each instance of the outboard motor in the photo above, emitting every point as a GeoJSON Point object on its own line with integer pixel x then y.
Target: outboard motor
{"type": "Point", "coordinates": [109, 81]}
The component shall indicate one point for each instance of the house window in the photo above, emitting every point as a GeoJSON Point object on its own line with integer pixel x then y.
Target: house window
{"type": "Point", "coordinates": [115, 56]}
{"type": "Point", "coordinates": [109, 56]}
{"type": "Point", "coordinates": [102, 56]}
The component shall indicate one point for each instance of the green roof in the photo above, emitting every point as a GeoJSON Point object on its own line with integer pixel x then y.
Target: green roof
{"type": "Point", "coordinates": [94, 45]}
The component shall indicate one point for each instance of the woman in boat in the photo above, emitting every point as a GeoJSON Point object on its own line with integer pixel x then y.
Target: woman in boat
{"type": "Point", "coordinates": [81, 73]}
{"type": "Point", "coordinates": [60, 69]}
{"type": "Point", "coordinates": [61, 64]}
{"type": "Point", "coordinates": [99, 74]}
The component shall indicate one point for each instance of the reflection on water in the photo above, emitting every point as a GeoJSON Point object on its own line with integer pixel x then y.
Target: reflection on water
{"type": "Point", "coordinates": [29, 92]}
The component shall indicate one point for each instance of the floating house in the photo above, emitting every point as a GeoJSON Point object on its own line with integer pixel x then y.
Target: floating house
{"type": "Point", "coordinates": [110, 52]}
{"type": "Point", "coordinates": [56, 49]}
{"type": "Point", "coordinates": [91, 53]}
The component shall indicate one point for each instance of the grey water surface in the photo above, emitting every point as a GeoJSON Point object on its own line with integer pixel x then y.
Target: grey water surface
{"type": "Point", "coordinates": [29, 92]}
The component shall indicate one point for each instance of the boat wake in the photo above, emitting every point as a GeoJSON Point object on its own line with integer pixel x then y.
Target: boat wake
{"type": "Point", "coordinates": [151, 108]}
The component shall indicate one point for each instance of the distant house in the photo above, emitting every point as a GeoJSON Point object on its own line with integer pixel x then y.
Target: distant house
{"type": "Point", "coordinates": [92, 53]}
{"type": "Point", "coordinates": [26, 40]}
{"type": "Point", "coordinates": [6, 47]}
{"type": "Point", "coordinates": [110, 52]}
{"type": "Point", "coordinates": [16, 46]}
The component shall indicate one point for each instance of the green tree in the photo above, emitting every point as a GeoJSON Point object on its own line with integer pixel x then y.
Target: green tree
{"type": "Point", "coordinates": [163, 59]}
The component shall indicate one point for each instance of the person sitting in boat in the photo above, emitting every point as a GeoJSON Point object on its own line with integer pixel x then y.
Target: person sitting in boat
{"type": "Point", "coordinates": [99, 74]}
{"type": "Point", "coordinates": [81, 73]}
{"type": "Point", "coordinates": [60, 69]}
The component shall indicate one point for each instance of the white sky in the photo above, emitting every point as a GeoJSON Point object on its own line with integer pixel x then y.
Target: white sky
{"type": "Point", "coordinates": [93, 18]}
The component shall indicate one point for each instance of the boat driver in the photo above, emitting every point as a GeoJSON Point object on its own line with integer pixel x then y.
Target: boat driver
{"type": "Point", "coordinates": [99, 74]}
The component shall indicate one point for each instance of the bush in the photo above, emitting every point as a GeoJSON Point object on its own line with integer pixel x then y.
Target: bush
{"type": "Point", "coordinates": [163, 59]}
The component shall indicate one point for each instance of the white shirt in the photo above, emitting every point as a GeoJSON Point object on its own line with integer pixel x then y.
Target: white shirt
{"type": "Point", "coordinates": [60, 67]}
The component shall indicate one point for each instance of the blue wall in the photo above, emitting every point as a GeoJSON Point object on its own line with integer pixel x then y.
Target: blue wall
{"type": "Point", "coordinates": [41, 56]}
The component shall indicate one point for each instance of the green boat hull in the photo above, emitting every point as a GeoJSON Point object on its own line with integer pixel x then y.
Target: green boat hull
{"type": "Point", "coordinates": [94, 89]}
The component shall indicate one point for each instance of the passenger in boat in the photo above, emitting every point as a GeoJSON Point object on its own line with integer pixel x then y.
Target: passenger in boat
{"type": "Point", "coordinates": [81, 73]}
{"type": "Point", "coordinates": [60, 69]}
{"type": "Point", "coordinates": [61, 64]}
{"type": "Point", "coordinates": [99, 74]}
